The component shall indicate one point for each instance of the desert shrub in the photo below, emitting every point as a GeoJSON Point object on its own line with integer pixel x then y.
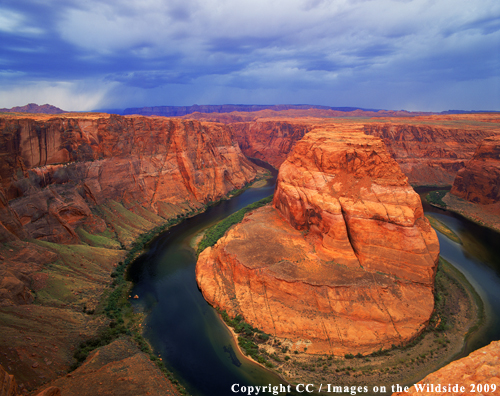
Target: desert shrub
{"type": "Point", "coordinates": [436, 197]}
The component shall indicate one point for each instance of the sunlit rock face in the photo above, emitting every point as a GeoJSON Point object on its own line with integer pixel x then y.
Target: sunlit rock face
{"type": "Point", "coordinates": [57, 169]}
{"type": "Point", "coordinates": [479, 181]}
{"type": "Point", "coordinates": [344, 260]}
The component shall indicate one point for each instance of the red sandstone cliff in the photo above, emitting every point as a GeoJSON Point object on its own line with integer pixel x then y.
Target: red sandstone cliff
{"type": "Point", "coordinates": [58, 169]}
{"type": "Point", "coordinates": [479, 181]}
{"type": "Point", "coordinates": [80, 188]}
{"type": "Point", "coordinates": [429, 154]}
{"type": "Point", "coordinates": [344, 263]}
{"type": "Point", "coordinates": [474, 374]}
{"type": "Point", "coordinates": [428, 150]}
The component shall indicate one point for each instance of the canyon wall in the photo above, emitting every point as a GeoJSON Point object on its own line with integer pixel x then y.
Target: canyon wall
{"type": "Point", "coordinates": [479, 181]}
{"type": "Point", "coordinates": [429, 154]}
{"type": "Point", "coordinates": [428, 151]}
{"type": "Point", "coordinates": [75, 192]}
{"type": "Point", "coordinates": [269, 141]}
{"type": "Point", "coordinates": [345, 260]}
{"type": "Point", "coordinates": [55, 171]}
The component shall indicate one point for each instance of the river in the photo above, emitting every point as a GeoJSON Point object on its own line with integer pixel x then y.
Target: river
{"type": "Point", "coordinates": [197, 347]}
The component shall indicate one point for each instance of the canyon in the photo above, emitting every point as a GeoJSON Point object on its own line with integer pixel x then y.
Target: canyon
{"type": "Point", "coordinates": [77, 190]}
{"type": "Point", "coordinates": [343, 262]}
{"type": "Point", "coordinates": [430, 149]}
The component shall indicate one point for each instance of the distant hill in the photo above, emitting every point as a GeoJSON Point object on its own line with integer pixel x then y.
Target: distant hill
{"type": "Point", "coordinates": [34, 108]}
{"type": "Point", "coordinates": [179, 111]}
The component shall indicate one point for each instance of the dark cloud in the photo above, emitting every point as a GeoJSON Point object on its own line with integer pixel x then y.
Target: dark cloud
{"type": "Point", "coordinates": [380, 53]}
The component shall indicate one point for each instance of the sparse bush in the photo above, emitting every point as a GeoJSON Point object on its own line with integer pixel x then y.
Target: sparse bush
{"type": "Point", "coordinates": [436, 197]}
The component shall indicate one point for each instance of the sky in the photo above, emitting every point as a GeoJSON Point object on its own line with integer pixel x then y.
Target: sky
{"type": "Point", "coordinates": [417, 55]}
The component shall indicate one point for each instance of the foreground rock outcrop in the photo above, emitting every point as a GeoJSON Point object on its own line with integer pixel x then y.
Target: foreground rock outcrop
{"type": "Point", "coordinates": [343, 263]}
{"type": "Point", "coordinates": [115, 369]}
{"type": "Point", "coordinates": [479, 181]}
{"type": "Point", "coordinates": [474, 374]}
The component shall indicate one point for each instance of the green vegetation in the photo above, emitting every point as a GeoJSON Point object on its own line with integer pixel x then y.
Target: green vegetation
{"type": "Point", "coordinates": [436, 198]}
{"type": "Point", "coordinates": [106, 337]}
{"type": "Point", "coordinates": [97, 240]}
{"type": "Point", "coordinates": [248, 338]}
{"type": "Point", "coordinates": [214, 233]}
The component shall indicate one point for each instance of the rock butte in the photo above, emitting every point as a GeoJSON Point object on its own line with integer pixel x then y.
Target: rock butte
{"type": "Point", "coordinates": [480, 368]}
{"type": "Point", "coordinates": [345, 260]}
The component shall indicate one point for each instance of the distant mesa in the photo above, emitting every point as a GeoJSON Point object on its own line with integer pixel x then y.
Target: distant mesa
{"type": "Point", "coordinates": [320, 111]}
{"type": "Point", "coordinates": [178, 111]}
{"type": "Point", "coordinates": [34, 108]}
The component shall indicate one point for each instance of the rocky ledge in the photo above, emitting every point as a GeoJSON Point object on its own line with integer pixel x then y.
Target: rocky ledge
{"type": "Point", "coordinates": [344, 262]}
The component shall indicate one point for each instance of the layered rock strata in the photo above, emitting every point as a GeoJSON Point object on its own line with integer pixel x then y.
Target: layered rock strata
{"type": "Point", "coordinates": [429, 154]}
{"type": "Point", "coordinates": [58, 169]}
{"type": "Point", "coordinates": [474, 374]}
{"type": "Point", "coordinates": [345, 260]}
{"type": "Point", "coordinates": [479, 181]}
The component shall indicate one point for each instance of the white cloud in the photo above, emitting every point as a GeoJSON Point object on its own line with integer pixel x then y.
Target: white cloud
{"type": "Point", "coordinates": [13, 22]}
{"type": "Point", "coordinates": [77, 96]}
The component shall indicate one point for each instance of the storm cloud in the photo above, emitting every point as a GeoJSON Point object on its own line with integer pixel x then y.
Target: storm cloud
{"type": "Point", "coordinates": [415, 54]}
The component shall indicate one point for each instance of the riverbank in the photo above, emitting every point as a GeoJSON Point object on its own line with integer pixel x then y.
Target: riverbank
{"type": "Point", "coordinates": [459, 312]}
{"type": "Point", "coordinates": [484, 215]}
{"type": "Point", "coordinates": [111, 305]}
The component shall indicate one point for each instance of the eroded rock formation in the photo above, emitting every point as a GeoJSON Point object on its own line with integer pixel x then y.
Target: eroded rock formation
{"type": "Point", "coordinates": [479, 181]}
{"type": "Point", "coordinates": [343, 263]}
{"type": "Point", "coordinates": [8, 385]}
{"type": "Point", "coordinates": [115, 369]}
